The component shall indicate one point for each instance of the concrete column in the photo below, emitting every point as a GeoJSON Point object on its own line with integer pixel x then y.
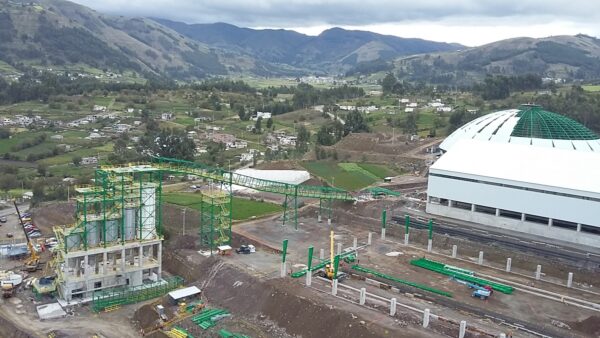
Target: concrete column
{"type": "Point", "coordinates": [497, 212]}
{"type": "Point", "coordinates": [123, 260]}
{"type": "Point", "coordinates": [141, 256]}
{"type": "Point", "coordinates": [363, 296]}
{"type": "Point", "coordinates": [429, 245]}
{"type": "Point", "coordinates": [522, 217]}
{"type": "Point", "coordinates": [472, 207]}
{"type": "Point", "coordinates": [283, 270]}
{"type": "Point", "coordinates": [159, 258]}
{"type": "Point", "coordinates": [370, 238]}
{"type": "Point", "coordinates": [339, 249]}
{"type": "Point", "coordinates": [578, 227]}
{"type": "Point", "coordinates": [329, 221]}
{"type": "Point", "coordinates": [550, 222]}
{"type": "Point", "coordinates": [86, 267]}
{"type": "Point", "coordinates": [570, 280]}
{"type": "Point", "coordinates": [334, 287]}
{"type": "Point", "coordinates": [454, 250]}
{"type": "Point", "coordinates": [426, 314]}
{"type": "Point", "coordinates": [405, 239]}
{"type": "Point", "coordinates": [308, 278]}
{"type": "Point", "coordinates": [450, 203]}
{"type": "Point", "coordinates": [322, 254]}
{"type": "Point", "coordinates": [480, 259]}
{"type": "Point", "coordinates": [508, 264]}
{"type": "Point", "coordinates": [462, 329]}
{"type": "Point", "coordinates": [104, 262]}
{"type": "Point", "coordinates": [355, 243]}
{"type": "Point", "coordinates": [319, 219]}
{"type": "Point", "coordinates": [503, 335]}
{"type": "Point", "coordinates": [382, 233]}
{"type": "Point", "coordinates": [393, 307]}
{"type": "Point", "coordinates": [538, 272]}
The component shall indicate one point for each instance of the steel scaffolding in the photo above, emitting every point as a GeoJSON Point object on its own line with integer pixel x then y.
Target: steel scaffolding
{"type": "Point", "coordinates": [215, 219]}
{"type": "Point", "coordinates": [122, 296]}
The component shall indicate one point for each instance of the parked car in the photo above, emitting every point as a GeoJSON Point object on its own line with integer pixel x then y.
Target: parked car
{"type": "Point", "coordinates": [3, 219]}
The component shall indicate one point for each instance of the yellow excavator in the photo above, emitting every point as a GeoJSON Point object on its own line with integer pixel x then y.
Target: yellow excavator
{"type": "Point", "coordinates": [33, 261]}
{"type": "Point", "coordinates": [329, 270]}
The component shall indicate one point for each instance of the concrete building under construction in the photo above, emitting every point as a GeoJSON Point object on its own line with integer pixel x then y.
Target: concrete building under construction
{"type": "Point", "coordinates": [116, 239]}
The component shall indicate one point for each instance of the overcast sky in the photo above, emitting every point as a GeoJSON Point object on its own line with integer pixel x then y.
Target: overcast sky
{"type": "Point", "coordinates": [470, 22]}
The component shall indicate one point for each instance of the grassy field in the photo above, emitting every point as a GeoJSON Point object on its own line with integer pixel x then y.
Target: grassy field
{"type": "Point", "coordinates": [349, 176]}
{"type": "Point", "coordinates": [591, 88]}
{"type": "Point", "coordinates": [7, 144]}
{"type": "Point", "coordinates": [378, 170]}
{"type": "Point", "coordinates": [242, 208]}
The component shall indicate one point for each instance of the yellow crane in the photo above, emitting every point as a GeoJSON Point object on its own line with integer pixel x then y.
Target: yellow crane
{"type": "Point", "coordinates": [33, 261]}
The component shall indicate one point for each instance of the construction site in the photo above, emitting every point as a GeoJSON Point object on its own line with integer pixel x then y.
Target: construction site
{"type": "Point", "coordinates": [333, 263]}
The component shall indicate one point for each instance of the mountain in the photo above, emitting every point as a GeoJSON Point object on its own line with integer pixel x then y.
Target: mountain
{"type": "Point", "coordinates": [333, 50]}
{"type": "Point", "coordinates": [564, 57]}
{"type": "Point", "coordinates": [63, 35]}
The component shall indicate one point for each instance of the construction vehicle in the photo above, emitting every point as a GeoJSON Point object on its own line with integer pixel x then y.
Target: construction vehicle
{"type": "Point", "coordinates": [9, 283]}
{"type": "Point", "coordinates": [481, 292]}
{"type": "Point", "coordinates": [32, 263]}
{"type": "Point", "coordinates": [329, 271]}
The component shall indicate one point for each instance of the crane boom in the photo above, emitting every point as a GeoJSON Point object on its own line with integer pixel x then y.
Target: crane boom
{"type": "Point", "coordinates": [32, 263]}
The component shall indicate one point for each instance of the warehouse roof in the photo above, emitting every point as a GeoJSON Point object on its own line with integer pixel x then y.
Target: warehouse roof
{"type": "Point", "coordinates": [550, 167]}
{"type": "Point", "coordinates": [530, 125]}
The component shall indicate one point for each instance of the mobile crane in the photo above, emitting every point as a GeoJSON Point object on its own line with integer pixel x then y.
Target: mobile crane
{"type": "Point", "coordinates": [32, 263]}
{"type": "Point", "coordinates": [329, 270]}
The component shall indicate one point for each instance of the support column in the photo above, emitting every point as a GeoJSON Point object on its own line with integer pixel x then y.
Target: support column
{"type": "Point", "coordinates": [141, 256]}
{"type": "Point", "coordinates": [508, 264]}
{"type": "Point", "coordinates": [450, 203]}
{"type": "Point", "coordinates": [369, 238]}
{"type": "Point", "coordinates": [355, 243]}
{"type": "Point", "coordinates": [322, 254]}
{"type": "Point", "coordinates": [497, 212]}
{"type": "Point", "coordinates": [339, 249]}
{"type": "Point", "coordinates": [426, 314]}
{"type": "Point", "coordinates": [123, 260]}
{"type": "Point", "coordinates": [550, 222]}
{"type": "Point", "coordinates": [538, 272]}
{"type": "Point", "coordinates": [472, 207]}
{"type": "Point", "coordinates": [86, 267]}
{"type": "Point", "coordinates": [480, 259]}
{"type": "Point", "coordinates": [393, 307]}
{"type": "Point", "coordinates": [363, 296]}
{"type": "Point", "coordinates": [159, 258]}
{"type": "Point", "coordinates": [429, 245]}
{"type": "Point", "coordinates": [319, 218]}
{"type": "Point", "coordinates": [329, 221]}
{"type": "Point", "coordinates": [522, 217]}
{"type": "Point", "coordinates": [308, 278]}
{"type": "Point", "coordinates": [382, 233]}
{"type": "Point", "coordinates": [104, 262]}
{"type": "Point", "coordinates": [578, 227]}
{"type": "Point", "coordinates": [503, 335]}
{"type": "Point", "coordinates": [283, 270]}
{"type": "Point", "coordinates": [454, 250]}
{"type": "Point", "coordinates": [334, 287]}
{"type": "Point", "coordinates": [462, 329]}
{"type": "Point", "coordinates": [570, 280]}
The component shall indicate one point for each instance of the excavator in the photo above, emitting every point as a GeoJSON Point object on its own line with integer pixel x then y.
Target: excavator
{"type": "Point", "coordinates": [33, 261]}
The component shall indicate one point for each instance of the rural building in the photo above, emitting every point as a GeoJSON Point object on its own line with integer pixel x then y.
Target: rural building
{"type": "Point", "coordinates": [89, 160]}
{"type": "Point", "coordinates": [525, 170]}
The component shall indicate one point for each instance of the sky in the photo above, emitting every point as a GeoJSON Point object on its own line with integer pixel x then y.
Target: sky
{"type": "Point", "coordinates": [469, 22]}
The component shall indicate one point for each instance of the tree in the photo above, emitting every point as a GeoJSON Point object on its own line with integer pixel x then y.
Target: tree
{"type": "Point", "coordinates": [8, 181]}
{"type": "Point", "coordinates": [77, 160]}
{"type": "Point", "coordinates": [409, 125]}
{"type": "Point", "coordinates": [258, 125]}
{"type": "Point", "coordinates": [42, 169]}
{"type": "Point", "coordinates": [302, 138]}
{"type": "Point", "coordinates": [167, 143]}
{"type": "Point", "coordinates": [388, 83]}
{"type": "Point", "coordinates": [269, 123]}
{"type": "Point", "coordinates": [355, 123]}
{"type": "Point", "coordinates": [4, 133]}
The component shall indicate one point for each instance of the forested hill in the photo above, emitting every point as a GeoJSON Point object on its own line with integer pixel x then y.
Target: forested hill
{"type": "Point", "coordinates": [334, 49]}
{"type": "Point", "coordinates": [559, 57]}
{"type": "Point", "coordinates": [63, 35]}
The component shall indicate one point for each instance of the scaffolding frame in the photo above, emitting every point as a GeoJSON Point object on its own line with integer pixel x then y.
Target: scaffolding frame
{"type": "Point", "coordinates": [215, 219]}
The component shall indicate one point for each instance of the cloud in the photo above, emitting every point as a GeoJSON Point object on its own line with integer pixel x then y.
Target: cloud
{"type": "Point", "coordinates": [361, 13]}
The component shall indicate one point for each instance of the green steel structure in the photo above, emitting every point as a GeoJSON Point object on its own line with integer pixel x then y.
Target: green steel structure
{"type": "Point", "coordinates": [401, 281]}
{"type": "Point", "coordinates": [535, 122]}
{"type": "Point", "coordinates": [291, 191]}
{"type": "Point", "coordinates": [215, 219]}
{"type": "Point", "coordinates": [130, 295]}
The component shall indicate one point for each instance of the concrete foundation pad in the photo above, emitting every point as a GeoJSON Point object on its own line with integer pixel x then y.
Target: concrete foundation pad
{"type": "Point", "coordinates": [50, 311]}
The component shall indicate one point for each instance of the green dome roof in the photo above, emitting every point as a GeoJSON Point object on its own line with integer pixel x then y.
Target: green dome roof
{"type": "Point", "coordinates": [534, 122]}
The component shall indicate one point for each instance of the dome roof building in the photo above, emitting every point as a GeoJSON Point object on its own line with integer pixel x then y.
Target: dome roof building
{"type": "Point", "coordinates": [530, 125]}
{"type": "Point", "coordinates": [525, 170]}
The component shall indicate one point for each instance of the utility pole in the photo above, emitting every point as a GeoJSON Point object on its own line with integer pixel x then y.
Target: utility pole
{"type": "Point", "coordinates": [184, 209]}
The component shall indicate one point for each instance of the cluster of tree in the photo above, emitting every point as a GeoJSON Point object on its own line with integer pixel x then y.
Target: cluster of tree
{"type": "Point", "coordinates": [499, 87]}
{"type": "Point", "coordinates": [224, 85]}
{"type": "Point", "coordinates": [302, 139]}
{"type": "Point", "coordinates": [391, 85]}
{"type": "Point", "coordinates": [370, 67]}
{"type": "Point", "coordinates": [172, 143]}
{"type": "Point", "coordinates": [4, 133]}
{"type": "Point", "coordinates": [331, 133]}
{"type": "Point", "coordinates": [306, 95]}
{"type": "Point", "coordinates": [355, 123]}
{"type": "Point", "coordinates": [577, 104]}
{"type": "Point", "coordinates": [459, 117]}
{"type": "Point", "coordinates": [322, 154]}
{"type": "Point", "coordinates": [32, 157]}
